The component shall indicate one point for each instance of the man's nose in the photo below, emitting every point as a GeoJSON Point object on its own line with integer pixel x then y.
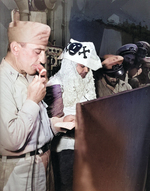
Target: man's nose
{"type": "Point", "coordinates": [86, 69]}
{"type": "Point", "coordinates": [42, 57]}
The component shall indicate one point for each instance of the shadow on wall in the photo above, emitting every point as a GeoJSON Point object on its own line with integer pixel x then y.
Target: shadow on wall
{"type": "Point", "coordinates": [109, 24]}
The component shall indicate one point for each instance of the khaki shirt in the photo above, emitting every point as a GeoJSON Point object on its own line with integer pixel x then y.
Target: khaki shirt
{"type": "Point", "coordinates": [104, 89]}
{"type": "Point", "coordinates": [21, 120]}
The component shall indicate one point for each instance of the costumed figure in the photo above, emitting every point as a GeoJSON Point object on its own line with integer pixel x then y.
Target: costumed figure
{"type": "Point", "coordinates": [128, 52]}
{"type": "Point", "coordinates": [76, 80]}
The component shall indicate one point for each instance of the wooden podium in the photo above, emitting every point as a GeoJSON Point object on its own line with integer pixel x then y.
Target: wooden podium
{"type": "Point", "coordinates": [112, 142]}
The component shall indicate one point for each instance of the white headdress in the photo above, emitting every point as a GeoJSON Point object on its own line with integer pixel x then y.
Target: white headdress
{"type": "Point", "coordinates": [75, 88]}
{"type": "Point", "coordinates": [83, 53]}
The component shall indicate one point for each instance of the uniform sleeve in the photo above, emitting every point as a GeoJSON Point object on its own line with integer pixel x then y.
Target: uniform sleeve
{"type": "Point", "coordinates": [16, 125]}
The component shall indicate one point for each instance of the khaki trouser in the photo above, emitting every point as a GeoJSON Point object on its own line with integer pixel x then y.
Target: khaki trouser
{"type": "Point", "coordinates": [26, 175]}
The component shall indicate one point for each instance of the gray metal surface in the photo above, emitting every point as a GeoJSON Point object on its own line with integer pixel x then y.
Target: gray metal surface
{"type": "Point", "coordinates": [112, 142]}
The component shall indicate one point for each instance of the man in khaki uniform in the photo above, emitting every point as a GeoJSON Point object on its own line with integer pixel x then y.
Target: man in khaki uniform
{"type": "Point", "coordinates": [25, 128]}
{"type": "Point", "coordinates": [107, 79]}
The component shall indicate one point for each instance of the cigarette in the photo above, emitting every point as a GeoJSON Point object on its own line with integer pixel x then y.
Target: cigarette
{"type": "Point", "coordinates": [43, 73]}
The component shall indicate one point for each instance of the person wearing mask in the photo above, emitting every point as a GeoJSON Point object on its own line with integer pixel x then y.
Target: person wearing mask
{"type": "Point", "coordinates": [143, 78]}
{"type": "Point", "coordinates": [25, 128]}
{"type": "Point", "coordinates": [129, 52]}
{"type": "Point", "coordinates": [76, 80]}
{"type": "Point", "coordinates": [142, 60]}
{"type": "Point", "coordinates": [107, 79]}
{"type": "Point", "coordinates": [143, 51]}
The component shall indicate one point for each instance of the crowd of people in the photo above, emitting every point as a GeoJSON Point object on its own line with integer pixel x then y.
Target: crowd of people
{"type": "Point", "coordinates": [130, 72]}
{"type": "Point", "coordinates": [37, 114]}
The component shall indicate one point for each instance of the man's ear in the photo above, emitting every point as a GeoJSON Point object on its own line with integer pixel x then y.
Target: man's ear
{"type": "Point", "coordinates": [15, 47]}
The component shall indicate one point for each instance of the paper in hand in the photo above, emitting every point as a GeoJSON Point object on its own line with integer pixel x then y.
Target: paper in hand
{"type": "Point", "coordinates": [65, 125]}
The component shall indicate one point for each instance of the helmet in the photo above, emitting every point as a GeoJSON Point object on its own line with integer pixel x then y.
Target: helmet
{"type": "Point", "coordinates": [127, 49]}
{"type": "Point", "coordinates": [112, 66]}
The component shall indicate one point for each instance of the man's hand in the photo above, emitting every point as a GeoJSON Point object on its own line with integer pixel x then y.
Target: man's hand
{"type": "Point", "coordinates": [63, 124]}
{"type": "Point", "coordinates": [37, 89]}
{"type": "Point", "coordinates": [69, 118]}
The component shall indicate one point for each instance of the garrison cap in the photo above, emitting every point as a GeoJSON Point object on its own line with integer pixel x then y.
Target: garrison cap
{"type": "Point", "coordinates": [29, 32]}
{"type": "Point", "coordinates": [111, 60]}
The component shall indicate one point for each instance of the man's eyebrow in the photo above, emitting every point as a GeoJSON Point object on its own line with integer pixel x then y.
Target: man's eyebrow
{"type": "Point", "coordinates": [44, 49]}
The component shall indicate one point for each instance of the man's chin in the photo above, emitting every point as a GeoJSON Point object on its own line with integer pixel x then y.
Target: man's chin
{"type": "Point", "coordinates": [83, 75]}
{"type": "Point", "coordinates": [113, 84]}
{"type": "Point", "coordinates": [33, 73]}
